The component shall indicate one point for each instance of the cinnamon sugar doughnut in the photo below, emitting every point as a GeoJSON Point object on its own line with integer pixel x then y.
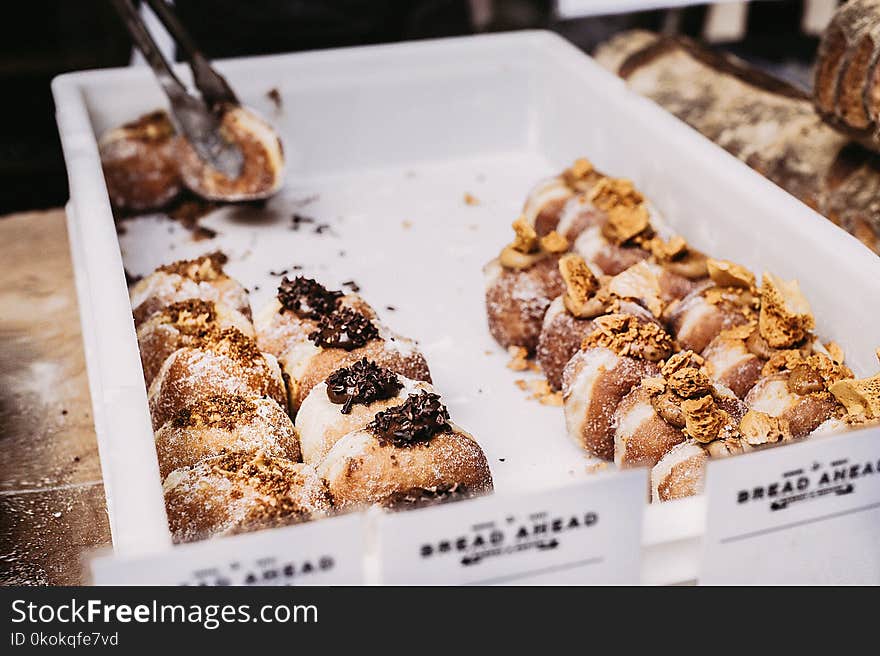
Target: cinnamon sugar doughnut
{"type": "Point", "coordinates": [347, 401]}
{"type": "Point", "coordinates": [262, 173]}
{"type": "Point", "coordinates": [184, 323]}
{"type": "Point", "coordinates": [341, 339]}
{"type": "Point", "coordinates": [221, 422]}
{"type": "Point", "coordinates": [140, 169]}
{"type": "Point", "coordinates": [409, 447]}
{"type": "Point", "coordinates": [641, 435]}
{"type": "Point", "coordinates": [547, 199]}
{"type": "Point", "coordinates": [240, 492]}
{"type": "Point", "coordinates": [804, 413]}
{"type": "Point", "coordinates": [226, 362]}
{"type": "Point", "coordinates": [296, 310]}
{"type": "Point", "coordinates": [201, 278]}
{"type": "Point", "coordinates": [707, 311]}
{"type": "Point", "coordinates": [731, 363]}
{"type": "Point", "coordinates": [680, 473]}
{"type": "Point", "coordinates": [607, 257]}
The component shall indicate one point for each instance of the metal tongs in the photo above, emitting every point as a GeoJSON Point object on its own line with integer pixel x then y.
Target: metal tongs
{"type": "Point", "coordinates": [196, 118]}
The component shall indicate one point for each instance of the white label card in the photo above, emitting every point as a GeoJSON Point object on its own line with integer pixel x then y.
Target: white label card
{"type": "Point", "coordinates": [577, 534]}
{"type": "Point", "coordinates": [804, 513]}
{"type": "Point", "coordinates": [324, 552]}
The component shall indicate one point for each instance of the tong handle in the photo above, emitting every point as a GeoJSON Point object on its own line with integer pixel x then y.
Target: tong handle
{"type": "Point", "coordinates": [214, 87]}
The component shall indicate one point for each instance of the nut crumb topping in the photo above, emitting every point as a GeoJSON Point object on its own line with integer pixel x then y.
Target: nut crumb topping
{"type": "Point", "coordinates": [192, 316]}
{"type": "Point", "coordinates": [728, 274]}
{"type": "Point", "coordinates": [785, 318]}
{"type": "Point", "coordinates": [627, 335]}
{"type": "Point", "coordinates": [861, 397]}
{"type": "Point", "coordinates": [809, 374]}
{"type": "Point", "coordinates": [759, 428]}
{"type": "Point", "coordinates": [554, 243]}
{"type": "Point", "coordinates": [232, 343]}
{"type": "Point", "coordinates": [224, 411]}
{"type": "Point", "coordinates": [742, 332]}
{"type": "Point", "coordinates": [581, 168]}
{"type": "Point", "coordinates": [580, 284]}
{"type": "Point", "coordinates": [201, 269]}
{"type": "Point", "coordinates": [518, 358]}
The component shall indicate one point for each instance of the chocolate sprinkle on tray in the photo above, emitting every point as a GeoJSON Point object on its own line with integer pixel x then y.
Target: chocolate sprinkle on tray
{"type": "Point", "coordinates": [298, 219]}
{"type": "Point", "coordinates": [275, 96]}
{"type": "Point", "coordinates": [416, 420]}
{"type": "Point", "coordinates": [352, 285]}
{"type": "Point", "coordinates": [361, 383]}
{"type": "Point", "coordinates": [344, 328]}
{"type": "Point", "coordinates": [307, 298]}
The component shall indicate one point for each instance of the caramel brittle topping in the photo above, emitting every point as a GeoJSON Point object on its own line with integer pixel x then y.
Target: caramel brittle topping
{"type": "Point", "coordinates": [580, 284]}
{"type": "Point", "coordinates": [553, 242]}
{"type": "Point", "coordinates": [785, 318]}
{"type": "Point", "coordinates": [682, 360]}
{"type": "Point", "coordinates": [627, 335]}
{"type": "Point", "coordinates": [665, 251]}
{"type": "Point", "coordinates": [526, 239]}
{"type": "Point", "coordinates": [836, 352]}
{"type": "Point", "coordinates": [703, 419]}
{"type": "Point", "coordinates": [760, 428]}
{"type": "Point", "coordinates": [739, 332]}
{"type": "Point", "coordinates": [728, 274]}
{"type": "Point", "coordinates": [624, 223]}
{"type": "Point", "coordinates": [861, 397]}
{"type": "Point", "coordinates": [615, 192]}
{"type": "Point", "coordinates": [581, 168]}
{"type": "Point", "coordinates": [689, 382]}
{"type": "Point", "coordinates": [639, 282]}
{"type": "Point", "coordinates": [809, 374]}
{"type": "Point", "coordinates": [519, 358]}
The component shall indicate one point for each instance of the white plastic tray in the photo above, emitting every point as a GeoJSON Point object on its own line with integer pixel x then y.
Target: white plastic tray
{"type": "Point", "coordinates": [384, 142]}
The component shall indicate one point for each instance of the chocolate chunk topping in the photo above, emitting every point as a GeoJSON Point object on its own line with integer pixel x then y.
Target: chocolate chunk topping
{"type": "Point", "coordinates": [417, 419]}
{"type": "Point", "coordinates": [344, 328]}
{"type": "Point", "coordinates": [363, 382]}
{"type": "Point", "coordinates": [419, 497]}
{"type": "Point", "coordinates": [306, 298]}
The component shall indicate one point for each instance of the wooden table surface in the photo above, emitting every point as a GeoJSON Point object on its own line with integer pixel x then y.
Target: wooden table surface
{"type": "Point", "coordinates": [52, 508]}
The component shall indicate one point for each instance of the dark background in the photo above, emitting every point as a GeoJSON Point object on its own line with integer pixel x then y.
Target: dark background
{"type": "Point", "coordinates": [42, 38]}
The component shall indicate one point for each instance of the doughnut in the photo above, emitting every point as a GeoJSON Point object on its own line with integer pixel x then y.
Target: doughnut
{"type": "Point", "coordinates": [140, 169]}
{"type": "Point", "coordinates": [201, 278]}
{"type": "Point", "coordinates": [568, 320]}
{"type": "Point", "coordinates": [773, 395]}
{"type": "Point", "coordinates": [225, 362]}
{"type": "Point", "coordinates": [607, 257]}
{"type": "Point", "coordinates": [683, 403]}
{"type": "Point", "coordinates": [548, 199]}
{"type": "Point", "coordinates": [680, 473]}
{"type": "Point", "coordinates": [296, 310]}
{"type": "Point", "coordinates": [731, 363]}
{"type": "Point", "coordinates": [346, 401]}
{"type": "Point", "coordinates": [218, 422]}
{"type": "Point", "coordinates": [707, 311]}
{"type": "Point", "coordinates": [262, 172]}
{"type": "Point", "coordinates": [340, 339]}
{"type": "Point", "coordinates": [614, 358]}
{"type": "Point", "coordinates": [407, 447]}
{"type": "Point", "coordinates": [240, 492]}
{"type": "Point", "coordinates": [520, 284]}
{"type": "Point", "coordinates": [184, 323]}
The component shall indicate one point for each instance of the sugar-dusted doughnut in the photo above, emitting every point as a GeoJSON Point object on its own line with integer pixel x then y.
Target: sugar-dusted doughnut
{"type": "Point", "coordinates": [730, 362]}
{"type": "Point", "coordinates": [295, 311]}
{"type": "Point", "coordinates": [202, 278]}
{"type": "Point", "coordinates": [341, 338]}
{"type": "Point", "coordinates": [183, 323]}
{"type": "Point", "coordinates": [347, 400]}
{"type": "Point", "coordinates": [140, 169]}
{"type": "Point", "coordinates": [680, 473]}
{"type": "Point", "coordinates": [408, 447]}
{"type": "Point", "coordinates": [225, 362]}
{"type": "Point", "coordinates": [520, 284]}
{"type": "Point", "coordinates": [262, 172]}
{"type": "Point", "coordinates": [548, 199]}
{"type": "Point", "coordinates": [240, 492]}
{"type": "Point", "coordinates": [804, 413]}
{"type": "Point", "coordinates": [214, 423]}
{"type": "Point", "coordinates": [614, 358]}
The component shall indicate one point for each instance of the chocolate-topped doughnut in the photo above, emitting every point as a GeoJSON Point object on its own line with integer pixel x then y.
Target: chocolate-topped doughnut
{"type": "Point", "coordinates": [225, 362]}
{"type": "Point", "coordinates": [209, 425]}
{"type": "Point", "coordinates": [295, 311]}
{"type": "Point", "coordinates": [202, 278]}
{"type": "Point", "coordinates": [184, 323]}
{"type": "Point", "coordinates": [614, 358]}
{"type": "Point", "coordinates": [139, 166]}
{"type": "Point", "coordinates": [341, 339]}
{"type": "Point", "coordinates": [347, 400]}
{"type": "Point", "coordinates": [520, 284]}
{"type": "Point", "coordinates": [412, 446]}
{"type": "Point", "coordinates": [240, 492]}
